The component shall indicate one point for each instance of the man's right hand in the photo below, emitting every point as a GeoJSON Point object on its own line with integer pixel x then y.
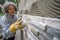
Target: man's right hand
{"type": "Point", "coordinates": [15, 26]}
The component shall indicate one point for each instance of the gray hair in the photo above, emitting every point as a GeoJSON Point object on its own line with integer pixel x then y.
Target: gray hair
{"type": "Point", "coordinates": [6, 6]}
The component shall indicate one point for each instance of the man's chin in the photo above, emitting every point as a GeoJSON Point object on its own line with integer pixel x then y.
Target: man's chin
{"type": "Point", "coordinates": [12, 14]}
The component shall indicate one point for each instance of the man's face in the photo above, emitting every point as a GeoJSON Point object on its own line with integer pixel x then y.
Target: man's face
{"type": "Point", "coordinates": [11, 10]}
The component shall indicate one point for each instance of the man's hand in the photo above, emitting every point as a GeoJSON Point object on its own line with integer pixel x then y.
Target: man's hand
{"type": "Point", "coordinates": [15, 26]}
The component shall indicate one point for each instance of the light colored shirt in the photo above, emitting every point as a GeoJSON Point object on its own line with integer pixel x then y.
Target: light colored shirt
{"type": "Point", "coordinates": [5, 23]}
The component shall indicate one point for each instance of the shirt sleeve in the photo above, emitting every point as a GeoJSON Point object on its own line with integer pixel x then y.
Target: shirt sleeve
{"type": "Point", "coordinates": [5, 29]}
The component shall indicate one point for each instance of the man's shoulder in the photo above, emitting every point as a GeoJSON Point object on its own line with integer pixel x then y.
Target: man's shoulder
{"type": "Point", "coordinates": [3, 18]}
{"type": "Point", "coordinates": [15, 16]}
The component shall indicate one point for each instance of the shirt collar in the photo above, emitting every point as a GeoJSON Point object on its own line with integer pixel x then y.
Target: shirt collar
{"type": "Point", "coordinates": [9, 16]}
